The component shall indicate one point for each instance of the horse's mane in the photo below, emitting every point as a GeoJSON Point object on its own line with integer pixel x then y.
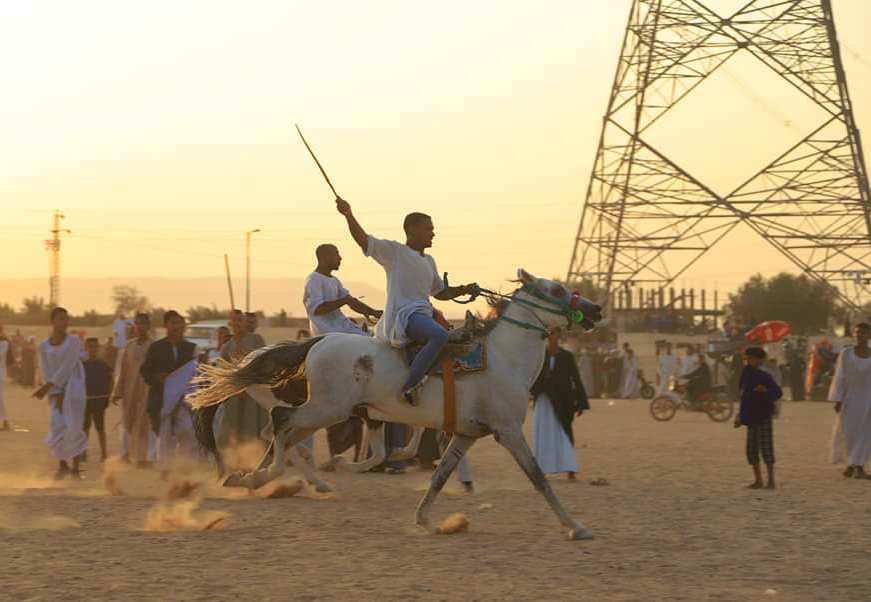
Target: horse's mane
{"type": "Point", "coordinates": [488, 322]}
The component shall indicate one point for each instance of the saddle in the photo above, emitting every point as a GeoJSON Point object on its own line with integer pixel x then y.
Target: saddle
{"type": "Point", "coordinates": [464, 353]}
{"type": "Point", "coordinates": [465, 350]}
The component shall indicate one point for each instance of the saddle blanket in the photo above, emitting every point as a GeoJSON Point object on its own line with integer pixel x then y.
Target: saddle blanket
{"type": "Point", "coordinates": [466, 357]}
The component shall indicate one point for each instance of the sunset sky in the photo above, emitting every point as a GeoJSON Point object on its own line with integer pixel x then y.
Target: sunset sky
{"type": "Point", "coordinates": [164, 130]}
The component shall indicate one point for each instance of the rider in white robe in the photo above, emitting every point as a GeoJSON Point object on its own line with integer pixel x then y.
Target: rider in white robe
{"type": "Point", "coordinates": [851, 389]}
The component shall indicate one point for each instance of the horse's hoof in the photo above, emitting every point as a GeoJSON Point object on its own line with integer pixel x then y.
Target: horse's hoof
{"type": "Point", "coordinates": [234, 479]}
{"type": "Point", "coordinates": [322, 487]}
{"type": "Point", "coordinates": [580, 533]}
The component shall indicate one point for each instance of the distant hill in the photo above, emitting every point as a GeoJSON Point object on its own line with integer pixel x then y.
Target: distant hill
{"type": "Point", "coordinates": [267, 294]}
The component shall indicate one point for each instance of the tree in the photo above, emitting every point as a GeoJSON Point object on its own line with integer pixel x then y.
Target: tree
{"type": "Point", "coordinates": [806, 304]}
{"type": "Point", "coordinates": [200, 313]}
{"type": "Point", "coordinates": [36, 310]}
{"type": "Point", "coordinates": [128, 299]}
{"type": "Point", "coordinates": [7, 312]}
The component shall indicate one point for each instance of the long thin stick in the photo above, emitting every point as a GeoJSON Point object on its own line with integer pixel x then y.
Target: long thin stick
{"type": "Point", "coordinates": [229, 282]}
{"type": "Point", "coordinates": [312, 153]}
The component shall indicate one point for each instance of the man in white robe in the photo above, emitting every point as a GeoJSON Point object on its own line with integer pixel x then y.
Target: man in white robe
{"type": "Point", "coordinates": [851, 392]}
{"type": "Point", "coordinates": [666, 369]}
{"type": "Point", "coordinates": [631, 382]}
{"type": "Point", "coordinates": [5, 350]}
{"type": "Point", "coordinates": [64, 383]}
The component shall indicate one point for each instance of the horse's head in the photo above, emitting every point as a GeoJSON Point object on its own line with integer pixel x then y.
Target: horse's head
{"type": "Point", "coordinates": [555, 305]}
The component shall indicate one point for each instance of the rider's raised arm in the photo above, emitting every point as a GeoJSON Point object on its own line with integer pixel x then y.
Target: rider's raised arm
{"type": "Point", "coordinates": [357, 231]}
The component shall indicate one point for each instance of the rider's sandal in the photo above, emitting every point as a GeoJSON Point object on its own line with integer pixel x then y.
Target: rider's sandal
{"type": "Point", "coordinates": [410, 394]}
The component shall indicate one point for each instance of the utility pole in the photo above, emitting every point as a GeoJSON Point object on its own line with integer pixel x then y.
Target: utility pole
{"type": "Point", "coordinates": [248, 268]}
{"type": "Point", "coordinates": [52, 245]}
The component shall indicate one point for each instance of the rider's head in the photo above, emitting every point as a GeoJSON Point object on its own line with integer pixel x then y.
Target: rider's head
{"type": "Point", "coordinates": [328, 257]}
{"type": "Point", "coordinates": [754, 356]}
{"type": "Point", "coordinates": [419, 231]}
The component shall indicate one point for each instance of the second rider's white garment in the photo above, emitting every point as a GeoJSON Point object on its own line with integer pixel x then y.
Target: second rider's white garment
{"type": "Point", "coordinates": [320, 289]}
{"type": "Point", "coordinates": [411, 279]}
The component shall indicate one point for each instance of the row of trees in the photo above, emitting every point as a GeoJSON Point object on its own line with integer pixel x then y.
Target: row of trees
{"type": "Point", "coordinates": [809, 305]}
{"type": "Point", "coordinates": [127, 300]}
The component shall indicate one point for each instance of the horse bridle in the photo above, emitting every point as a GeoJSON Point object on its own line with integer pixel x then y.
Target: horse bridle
{"type": "Point", "coordinates": [560, 307]}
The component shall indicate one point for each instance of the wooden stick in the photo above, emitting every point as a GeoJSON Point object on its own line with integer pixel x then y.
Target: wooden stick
{"type": "Point", "coordinates": [229, 281]}
{"type": "Point", "coordinates": [311, 152]}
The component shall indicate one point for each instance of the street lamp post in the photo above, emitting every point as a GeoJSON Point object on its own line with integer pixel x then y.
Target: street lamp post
{"type": "Point", "coordinates": [248, 268]}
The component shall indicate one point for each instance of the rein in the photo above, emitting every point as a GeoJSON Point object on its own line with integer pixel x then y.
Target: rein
{"type": "Point", "coordinates": [559, 308]}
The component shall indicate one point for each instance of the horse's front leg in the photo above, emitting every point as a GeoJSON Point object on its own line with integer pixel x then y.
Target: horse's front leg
{"type": "Point", "coordinates": [514, 442]}
{"type": "Point", "coordinates": [458, 447]}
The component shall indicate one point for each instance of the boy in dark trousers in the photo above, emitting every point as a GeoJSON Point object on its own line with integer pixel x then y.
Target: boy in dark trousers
{"type": "Point", "coordinates": [759, 393]}
{"type": "Point", "coordinates": [98, 385]}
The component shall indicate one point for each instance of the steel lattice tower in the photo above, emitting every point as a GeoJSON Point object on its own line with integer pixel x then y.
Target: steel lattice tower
{"type": "Point", "coordinates": [646, 220]}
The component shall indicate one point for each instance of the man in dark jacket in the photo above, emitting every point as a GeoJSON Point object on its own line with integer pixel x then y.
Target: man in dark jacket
{"type": "Point", "coordinates": [162, 359]}
{"type": "Point", "coordinates": [558, 386]}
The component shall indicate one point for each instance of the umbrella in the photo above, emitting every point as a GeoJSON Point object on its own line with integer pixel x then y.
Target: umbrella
{"type": "Point", "coordinates": [768, 332]}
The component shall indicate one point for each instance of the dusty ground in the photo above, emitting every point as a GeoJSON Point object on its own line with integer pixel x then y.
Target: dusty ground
{"type": "Point", "coordinates": [674, 523]}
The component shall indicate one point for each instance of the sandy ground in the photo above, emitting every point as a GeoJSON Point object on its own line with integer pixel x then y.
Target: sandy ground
{"type": "Point", "coordinates": [674, 523]}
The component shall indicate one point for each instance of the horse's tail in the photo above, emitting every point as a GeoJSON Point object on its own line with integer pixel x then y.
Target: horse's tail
{"type": "Point", "coordinates": [274, 366]}
{"type": "Point", "coordinates": [278, 366]}
{"type": "Point", "coordinates": [204, 430]}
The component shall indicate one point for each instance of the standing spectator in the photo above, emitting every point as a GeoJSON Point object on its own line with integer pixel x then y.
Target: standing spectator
{"type": "Point", "coordinates": [138, 442]}
{"type": "Point", "coordinates": [64, 378]}
{"type": "Point", "coordinates": [98, 385]}
{"type": "Point", "coordinates": [851, 392]}
{"type": "Point", "coordinates": [110, 352]}
{"type": "Point", "coordinates": [631, 382]}
{"type": "Point", "coordinates": [558, 395]}
{"type": "Point", "coordinates": [5, 355]}
{"type": "Point", "coordinates": [585, 368]}
{"type": "Point", "coordinates": [27, 374]}
{"type": "Point", "coordinates": [120, 329]}
{"type": "Point", "coordinates": [223, 335]}
{"type": "Point", "coordinates": [252, 323]}
{"type": "Point", "coordinates": [759, 392]}
{"type": "Point", "coordinates": [240, 416]}
{"type": "Point", "coordinates": [162, 360]}
{"type": "Point", "coordinates": [666, 364]}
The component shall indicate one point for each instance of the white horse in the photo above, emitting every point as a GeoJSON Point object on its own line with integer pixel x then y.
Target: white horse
{"type": "Point", "coordinates": [345, 372]}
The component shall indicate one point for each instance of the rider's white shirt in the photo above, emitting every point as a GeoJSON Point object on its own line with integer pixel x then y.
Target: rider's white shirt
{"type": "Point", "coordinates": [321, 289]}
{"type": "Point", "coordinates": [411, 279]}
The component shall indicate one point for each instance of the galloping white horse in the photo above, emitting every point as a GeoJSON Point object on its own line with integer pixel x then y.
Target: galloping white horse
{"type": "Point", "coordinates": [348, 371]}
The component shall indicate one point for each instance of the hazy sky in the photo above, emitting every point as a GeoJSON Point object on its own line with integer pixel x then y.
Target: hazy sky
{"type": "Point", "coordinates": [164, 130]}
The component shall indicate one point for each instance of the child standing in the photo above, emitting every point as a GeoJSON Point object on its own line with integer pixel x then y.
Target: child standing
{"type": "Point", "coordinates": [759, 392]}
{"type": "Point", "coordinates": [98, 384]}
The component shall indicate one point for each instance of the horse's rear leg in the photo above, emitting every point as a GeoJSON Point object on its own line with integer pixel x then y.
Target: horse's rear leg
{"type": "Point", "coordinates": [409, 451]}
{"type": "Point", "coordinates": [374, 440]}
{"type": "Point", "coordinates": [263, 474]}
{"type": "Point", "coordinates": [514, 442]}
{"type": "Point", "coordinates": [458, 447]}
{"type": "Point", "coordinates": [304, 465]}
